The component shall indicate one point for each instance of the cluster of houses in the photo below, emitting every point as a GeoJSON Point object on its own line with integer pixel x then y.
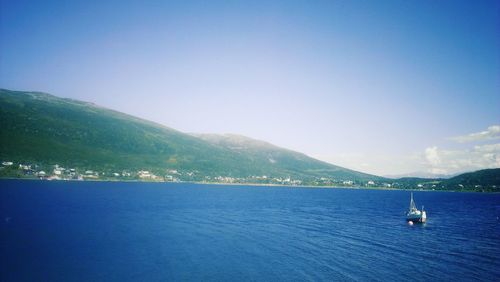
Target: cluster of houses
{"type": "Point", "coordinates": [144, 174]}
{"type": "Point", "coordinates": [25, 168]}
{"type": "Point", "coordinates": [253, 179]}
{"type": "Point", "coordinates": [58, 172]}
{"type": "Point", "coordinates": [55, 172]}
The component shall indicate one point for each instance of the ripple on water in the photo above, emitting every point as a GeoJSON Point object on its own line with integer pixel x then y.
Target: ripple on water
{"type": "Point", "coordinates": [134, 231]}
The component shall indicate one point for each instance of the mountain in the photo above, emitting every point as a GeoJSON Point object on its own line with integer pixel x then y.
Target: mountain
{"type": "Point", "coordinates": [486, 178]}
{"type": "Point", "coordinates": [271, 156]}
{"type": "Point", "coordinates": [481, 180]}
{"type": "Point", "coordinates": [420, 174]}
{"type": "Point", "coordinates": [39, 128]}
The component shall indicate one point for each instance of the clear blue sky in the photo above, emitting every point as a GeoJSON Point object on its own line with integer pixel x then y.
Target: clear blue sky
{"type": "Point", "coordinates": [378, 86]}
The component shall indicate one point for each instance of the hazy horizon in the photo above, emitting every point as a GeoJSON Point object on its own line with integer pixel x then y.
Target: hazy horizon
{"type": "Point", "coordinates": [388, 88]}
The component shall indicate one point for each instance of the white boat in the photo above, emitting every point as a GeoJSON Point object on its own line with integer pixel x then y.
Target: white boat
{"type": "Point", "coordinates": [415, 215]}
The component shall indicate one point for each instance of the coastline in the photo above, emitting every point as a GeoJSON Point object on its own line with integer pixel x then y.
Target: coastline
{"type": "Point", "coordinates": [250, 184]}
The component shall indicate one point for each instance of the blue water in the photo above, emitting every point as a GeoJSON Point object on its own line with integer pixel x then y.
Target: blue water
{"type": "Point", "coordinates": [90, 231]}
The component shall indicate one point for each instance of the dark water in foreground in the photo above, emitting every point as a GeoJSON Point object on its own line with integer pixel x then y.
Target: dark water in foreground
{"type": "Point", "coordinates": [62, 231]}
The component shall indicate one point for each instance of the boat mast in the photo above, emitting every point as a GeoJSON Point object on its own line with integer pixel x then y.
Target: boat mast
{"type": "Point", "coordinates": [412, 203]}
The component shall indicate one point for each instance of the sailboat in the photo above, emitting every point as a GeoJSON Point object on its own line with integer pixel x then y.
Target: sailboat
{"type": "Point", "coordinates": [415, 215]}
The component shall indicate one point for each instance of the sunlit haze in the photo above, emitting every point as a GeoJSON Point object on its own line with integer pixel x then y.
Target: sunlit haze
{"type": "Point", "coordinates": [384, 87]}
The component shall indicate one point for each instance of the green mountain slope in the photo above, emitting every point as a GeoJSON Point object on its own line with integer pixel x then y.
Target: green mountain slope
{"type": "Point", "coordinates": [481, 179]}
{"type": "Point", "coordinates": [44, 129]}
{"type": "Point", "coordinates": [270, 156]}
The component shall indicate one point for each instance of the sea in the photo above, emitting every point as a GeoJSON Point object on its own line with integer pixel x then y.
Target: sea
{"type": "Point", "coordinates": [131, 231]}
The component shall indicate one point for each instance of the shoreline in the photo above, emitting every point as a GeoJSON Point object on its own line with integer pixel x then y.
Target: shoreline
{"type": "Point", "coordinates": [252, 184]}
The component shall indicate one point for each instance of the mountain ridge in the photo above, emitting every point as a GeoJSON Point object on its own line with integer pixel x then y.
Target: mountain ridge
{"type": "Point", "coordinates": [47, 132]}
{"type": "Point", "coordinates": [96, 137]}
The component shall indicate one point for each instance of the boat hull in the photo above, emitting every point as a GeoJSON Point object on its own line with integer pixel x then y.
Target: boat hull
{"type": "Point", "coordinates": [416, 220]}
{"type": "Point", "coordinates": [421, 217]}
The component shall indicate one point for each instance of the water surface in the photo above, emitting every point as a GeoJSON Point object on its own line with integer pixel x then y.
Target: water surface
{"type": "Point", "coordinates": [98, 231]}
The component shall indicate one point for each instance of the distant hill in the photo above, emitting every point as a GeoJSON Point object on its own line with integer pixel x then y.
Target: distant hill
{"type": "Point", "coordinates": [420, 174]}
{"type": "Point", "coordinates": [481, 180]}
{"type": "Point", "coordinates": [43, 129]}
{"type": "Point", "coordinates": [486, 178]}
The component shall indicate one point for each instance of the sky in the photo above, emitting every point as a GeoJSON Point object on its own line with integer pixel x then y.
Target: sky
{"type": "Point", "coordinates": [384, 87]}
